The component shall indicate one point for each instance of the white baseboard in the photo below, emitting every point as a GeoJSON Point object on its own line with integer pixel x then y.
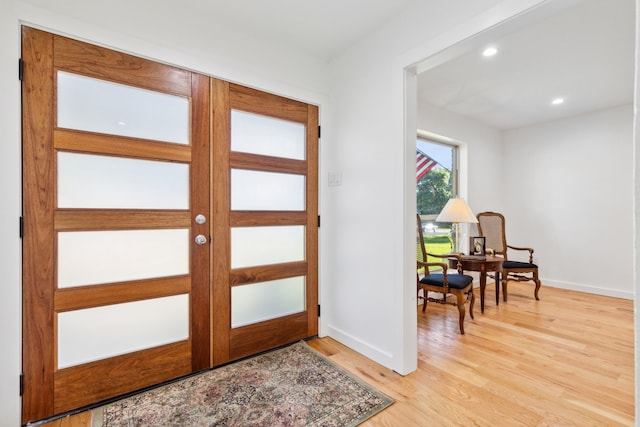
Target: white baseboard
{"type": "Point", "coordinates": [378, 355]}
{"type": "Point", "coordinates": [607, 292]}
{"type": "Point", "coordinates": [585, 288]}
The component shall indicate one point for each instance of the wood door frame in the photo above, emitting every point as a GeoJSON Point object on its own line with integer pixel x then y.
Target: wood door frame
{"type": "Point", "coordinates": [38, 359]}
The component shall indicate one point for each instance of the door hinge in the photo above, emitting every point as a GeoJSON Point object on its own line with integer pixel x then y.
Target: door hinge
{"type": "Point", "coordinates": [319, 132]}
{"type": "Point", "coordinates": [20, 69]}
{"type": "Point", "coordinates": [318, 221]}
{"type": "Point", "coordinates": [318, 310]}
{"type": "Point", "coordinates": [21, 231]}
{"type": "Point", "coordinates": [21, 384]}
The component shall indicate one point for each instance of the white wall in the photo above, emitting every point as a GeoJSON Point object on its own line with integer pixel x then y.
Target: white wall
{"type": "Point", "coordinates": [370, 290]}
{"type": "Point", "coordinates": [10, 267]}
{"type": "Point", "coordinates": [569, 195]}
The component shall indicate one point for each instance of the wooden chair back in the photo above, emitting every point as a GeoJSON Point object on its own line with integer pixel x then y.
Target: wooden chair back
{"type": "Point", "coordinates": [421, 250]}
{"type": "Point", "coordinates": [491, 226]}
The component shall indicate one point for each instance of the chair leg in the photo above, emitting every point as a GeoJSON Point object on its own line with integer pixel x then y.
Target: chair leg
{"type": "Point", "coordinates": [460, 298]}
{"type": "Point", "coordinates": [538, 284]}
{"type": "Point", "coordinates": [425, 295]}
{"type": "Point", "coordinates": [505, 279]}
{"type": "Point", "coordinates": [534, 278]}
{"type": "Point", "coordinates": [471, 302]}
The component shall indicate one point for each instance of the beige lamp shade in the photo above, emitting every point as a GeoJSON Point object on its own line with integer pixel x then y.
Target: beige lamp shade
{"type": "Point", "coordinates": [456, 210]}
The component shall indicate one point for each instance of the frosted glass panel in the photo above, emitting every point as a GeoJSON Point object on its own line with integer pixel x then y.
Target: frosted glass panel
{"type": "Point", "coordinates": [96, 105]}
{"type": "Point", "coordinates": [93, 257]}
{"type": "Point", "coordinates": [252, 133]}
{"type": "Point", "coordinates": [266, 191]}
{"type": "Point", "coordinates": [266, 300]}
{"type": "Point", "coordinates": [92, 181]}
{"type": "Point", "coordinates": [252, 246]}
{"type": "Point", "coordinates": [97, 333]}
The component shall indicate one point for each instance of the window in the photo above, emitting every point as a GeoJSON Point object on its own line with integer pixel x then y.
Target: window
{"type": "Point", "coordinates": [436, 183]}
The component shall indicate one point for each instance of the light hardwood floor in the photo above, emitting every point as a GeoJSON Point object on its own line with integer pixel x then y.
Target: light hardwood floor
{"type": "Point", "coordinates": [566, 360]}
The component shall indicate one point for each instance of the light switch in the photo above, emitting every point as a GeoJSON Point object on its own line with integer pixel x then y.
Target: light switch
{"type": "Point", "coordinates": [335, 178]}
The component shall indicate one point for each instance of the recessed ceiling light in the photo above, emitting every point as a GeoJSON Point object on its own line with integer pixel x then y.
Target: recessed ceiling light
{"type": "Point", "coordinates": [557, 101]}
{"type": "Point", "coordinates": [490, 51]}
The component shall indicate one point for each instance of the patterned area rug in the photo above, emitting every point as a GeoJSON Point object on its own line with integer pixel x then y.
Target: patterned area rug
{"type": "Point", "coordinates": [292, 386]}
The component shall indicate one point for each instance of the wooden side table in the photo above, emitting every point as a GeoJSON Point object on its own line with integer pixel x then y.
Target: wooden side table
{"type": "Point", "coordinates": [489, 264]}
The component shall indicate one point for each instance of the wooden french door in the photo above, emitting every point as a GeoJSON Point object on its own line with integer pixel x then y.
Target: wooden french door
{"type": "Point", "coordinates": [115, 289]}
{"type": "Point", "coordinates": [265, 235]}
{"type": "Point", "coordinates": [141, 254]}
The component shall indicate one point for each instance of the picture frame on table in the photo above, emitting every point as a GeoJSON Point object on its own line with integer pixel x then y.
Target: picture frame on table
{"type": "Point", "coordinates": [477, 246]}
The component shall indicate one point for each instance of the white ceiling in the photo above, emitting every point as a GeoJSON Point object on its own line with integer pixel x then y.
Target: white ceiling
{"type": "Point", "coordinates": [584, 53]}
{"type": "Point", "coordinates": [321, 28]}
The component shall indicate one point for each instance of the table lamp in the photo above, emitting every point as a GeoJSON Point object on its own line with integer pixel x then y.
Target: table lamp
{"type": "Point", "coordinates": [456, 211]}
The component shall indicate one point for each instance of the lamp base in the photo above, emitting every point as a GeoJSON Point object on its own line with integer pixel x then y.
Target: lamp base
{"type": "Point", "coordinates": [457, 246]}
